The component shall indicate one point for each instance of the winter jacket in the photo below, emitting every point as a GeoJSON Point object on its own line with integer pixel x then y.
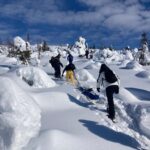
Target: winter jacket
{"type": "Point", "coordinates": [70, 58]}
{"type": "Point", "coordinates": [55, 62]}
{"type": "Point", "coordinates": [69, 67]}
{"type": "Point", "coordinates": [101, 82]}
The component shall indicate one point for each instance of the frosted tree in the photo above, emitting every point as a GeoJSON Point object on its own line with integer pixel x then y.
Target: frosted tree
{"type": "Point", "coordinates": [144, 50]}
{"type": "Point", "coordinates": [81, 46]}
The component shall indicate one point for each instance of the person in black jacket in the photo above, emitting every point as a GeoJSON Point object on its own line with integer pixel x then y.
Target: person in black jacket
{"type": "Point", "coordinates": [56, 64]}
{"type": "Point", "coordinates": [110, 82]}
{"type": "Point", "coordinates": [70, 57]}
{"type": "Point", "coordinates": [70, 75]}
{"type": "Point", "coordinates": [87, 53]}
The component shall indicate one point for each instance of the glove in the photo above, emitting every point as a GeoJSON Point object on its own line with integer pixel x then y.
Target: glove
{"type": "Point", "coordinates": [98, 89]}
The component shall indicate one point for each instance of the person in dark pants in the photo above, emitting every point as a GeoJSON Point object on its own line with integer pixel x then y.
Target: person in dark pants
{"type": "Point", "coordinates": [110, 82]}
{"type": "Point", "coordinates": [70, 57]}
{"type": "Point", "coordinates": [56, 64]}
{"type": "Point", "coordinates": [87, 53]}
{"type": "Point", "coordinates": [110, 90]}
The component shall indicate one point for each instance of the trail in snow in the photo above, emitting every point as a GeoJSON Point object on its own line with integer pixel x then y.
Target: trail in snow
{"type": "Point", "coordinates": [126, 121]}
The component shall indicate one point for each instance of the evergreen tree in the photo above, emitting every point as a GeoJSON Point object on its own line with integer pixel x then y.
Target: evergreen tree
{"type": "Point", "coordinates": [144, 39]}
{"type": "Point", "coordinates": [45, 46]}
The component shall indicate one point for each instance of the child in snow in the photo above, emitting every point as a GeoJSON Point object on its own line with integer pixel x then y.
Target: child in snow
{"type": "Point", "coordinates": [109, 80]}
{"type": "Point", "coordinates": [70, 75]}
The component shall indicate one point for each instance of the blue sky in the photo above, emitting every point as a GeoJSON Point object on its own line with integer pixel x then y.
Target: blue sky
{"type": "Point", "coordinates": [101, 22]}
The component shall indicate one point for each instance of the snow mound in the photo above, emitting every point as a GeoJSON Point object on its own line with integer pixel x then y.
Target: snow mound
{"type": "Point", "coordinates": [106, 55]}
{"type": "Point", "coordinates": [85, 78]}
{"type": "Point", "coordinates": [145, 124]}
{"type": "Point", "coordinates": [84, 75]}
{"type": "Point", "coordinates": [126, 96]}
{"type": "Point", "coordinates": [35, 77]}
{"type": "Point", "coordinates": [59, 99]}
{"type": "Point", "coordinates": [19, 116]}
{"type": "Point", "coordinates": [134, 65]}
{"type": "Point", "coordinates": [85, 64]}
{"type": "Point", "coordinates": [54, 139]}
{"type": "Point", "coordinates": [7, 61]}
{"type": "Point", "coordinates": [3, 70]}
{"type": "Point", "coordinates": [124, 63]}
{"type": "Point", "coordinates": [128, 55]}
{"type": "Point", "coordinates": [143, 74]}
{"type": "Point", "coordinates": [98, 64]}
{"type": "Point", "coordinates": [92, 66]}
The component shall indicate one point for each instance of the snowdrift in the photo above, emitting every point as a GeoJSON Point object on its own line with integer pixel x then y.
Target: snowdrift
{"type": "Point", "coordinates": [108, 56]}
{"type": "Point", "coordinates": [143, 74]}
{"type": "Point", "coordinates": [35, 77]}
{"type": "Point", "coordinates": [134, 65]}
{"type": "Point", "coordinates": [7, 61]}
{"type": "Point", "coordinates": [19, 116]}
{"type": "Point", "coordinates": [85, 78]}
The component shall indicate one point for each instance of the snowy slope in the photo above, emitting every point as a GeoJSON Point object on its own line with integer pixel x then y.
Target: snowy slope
{"type": "Point", "coordinates": [55, 115]}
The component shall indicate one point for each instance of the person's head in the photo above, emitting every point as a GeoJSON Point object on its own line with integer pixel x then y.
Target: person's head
{"type": "Point", "coordinates": [104, 68]}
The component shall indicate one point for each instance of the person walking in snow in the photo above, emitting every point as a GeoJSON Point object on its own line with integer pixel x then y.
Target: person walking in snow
{"type": "Point", "coordinates": [70, 75]}
{"type": "Point", "coordinates": [87, 53]}
{"type": "Point", "coordinates": [70, 57]}
{"type": "Point", "coordinates": [56, 64]}
{"type": "Point", "coordinates": [110, 82]}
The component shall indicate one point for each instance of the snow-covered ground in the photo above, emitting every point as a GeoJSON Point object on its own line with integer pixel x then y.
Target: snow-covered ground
{"type": "Point", "coordinates": [38, 112]}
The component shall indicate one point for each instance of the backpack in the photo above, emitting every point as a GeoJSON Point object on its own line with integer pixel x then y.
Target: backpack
{"type": "Point", "coordinates": [110, 77]}
{"type": "Point", "coordinates": [52, 61]}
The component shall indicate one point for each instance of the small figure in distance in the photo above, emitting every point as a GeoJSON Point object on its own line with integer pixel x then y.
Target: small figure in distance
{"type": "Point", "coordinates": [69, 57]}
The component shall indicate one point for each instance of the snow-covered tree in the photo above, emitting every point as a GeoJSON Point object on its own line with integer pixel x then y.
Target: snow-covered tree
{"type": "Point", "coordinates": [144, 50]}
{"type": "Point", "coordinates": [144, 39]}
{"type": "Point", "coordinates": [22, 49]}
{"type": "Point", "coordinates": [80, 46]}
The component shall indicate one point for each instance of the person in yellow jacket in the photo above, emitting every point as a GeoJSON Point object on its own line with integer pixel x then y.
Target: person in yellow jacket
{"type": "Point", "coordinates": [70, 75]}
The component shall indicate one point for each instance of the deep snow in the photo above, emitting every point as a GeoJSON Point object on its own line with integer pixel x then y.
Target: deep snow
{"type": "Point", "coordinates": [52, 114]}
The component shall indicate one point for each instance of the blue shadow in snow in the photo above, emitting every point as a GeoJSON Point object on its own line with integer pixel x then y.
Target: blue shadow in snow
{"type": "Point", "coordinates": [140, 93]}
{"type": "Point", "coordinates": [74, 100]}
{"type": "Point", "coordinates": [86, 104]}
{"type": "Point", "coordinates": [109, 134]}
{"type": "Point", "coordinates": [6, 66]}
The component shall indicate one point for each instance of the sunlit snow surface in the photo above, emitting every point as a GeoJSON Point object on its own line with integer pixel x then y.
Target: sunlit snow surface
{"type": "Point", "coordinates": [39, 112]}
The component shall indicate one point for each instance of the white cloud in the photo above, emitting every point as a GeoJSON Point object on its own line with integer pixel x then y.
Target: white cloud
{"type": "Point", "coordinates": [123, 21]}
{"type": "Point", "coordinates": [127, 14]}
{"type": "Point", "coordinates": [96, 3]}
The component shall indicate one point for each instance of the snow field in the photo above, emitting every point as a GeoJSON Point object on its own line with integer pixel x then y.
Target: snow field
{"type": "Point", "coordinates": [55, 115]}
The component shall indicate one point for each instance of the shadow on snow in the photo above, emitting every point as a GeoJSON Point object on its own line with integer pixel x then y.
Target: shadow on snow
{"type": "Point", "coordinates": [109, 134]}
{"type": "Point", "coordinates": [140, 93]}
